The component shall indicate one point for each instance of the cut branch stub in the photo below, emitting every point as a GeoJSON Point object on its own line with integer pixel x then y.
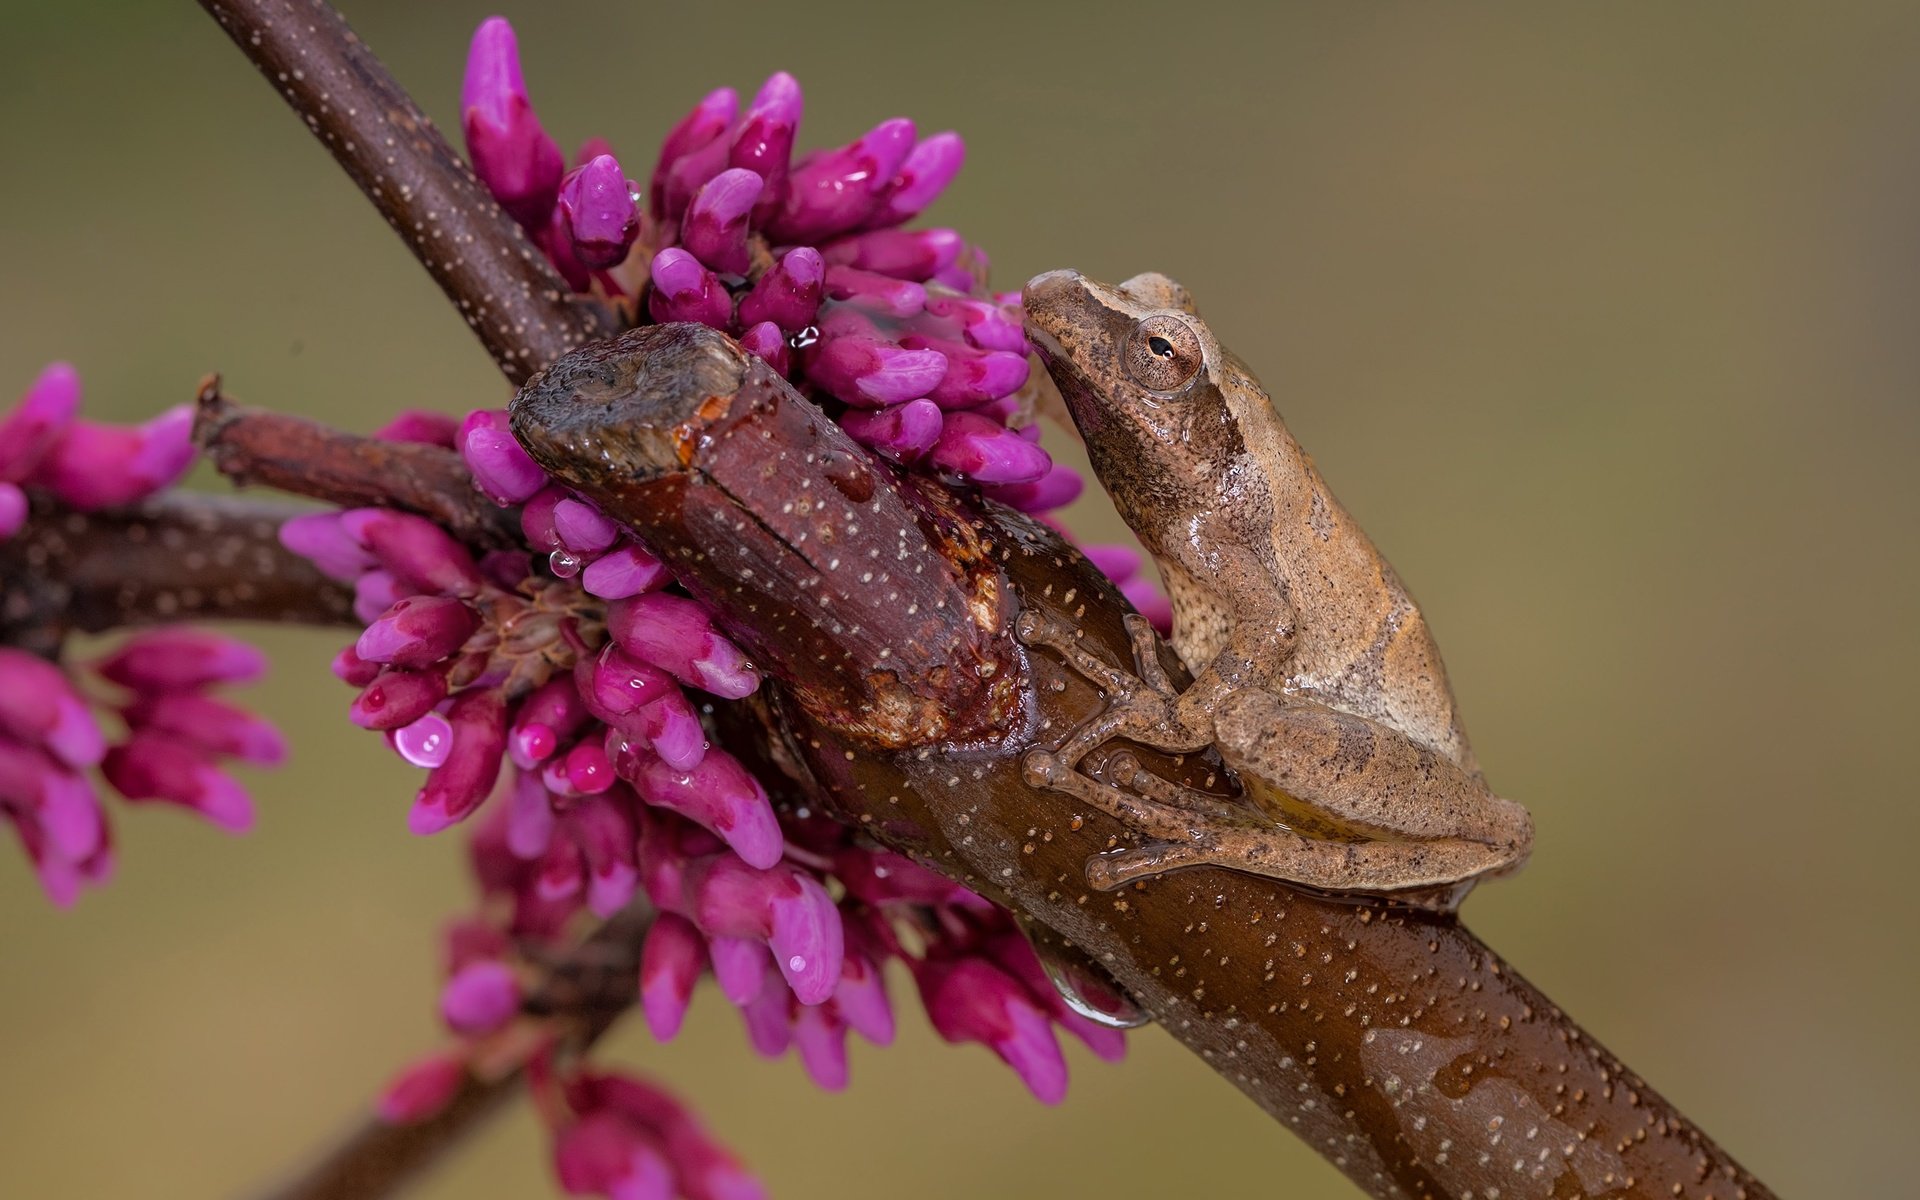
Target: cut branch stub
{"type": "Point", "coordinates": [1391, 1039]}
{"type": "Point", "coordinates": [867, 600]}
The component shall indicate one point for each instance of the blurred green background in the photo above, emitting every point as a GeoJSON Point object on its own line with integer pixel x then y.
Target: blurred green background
{"type": "Point", "coordinates": [1601, 317]}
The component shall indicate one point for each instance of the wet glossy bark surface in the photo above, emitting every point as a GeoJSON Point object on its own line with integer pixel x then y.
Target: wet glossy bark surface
{"type": "Point", "coordinates": [1391, 1039]}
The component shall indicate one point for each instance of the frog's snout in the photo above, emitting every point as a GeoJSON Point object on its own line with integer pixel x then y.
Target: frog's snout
{"type": "Point", "coordinates": [1053, 302]}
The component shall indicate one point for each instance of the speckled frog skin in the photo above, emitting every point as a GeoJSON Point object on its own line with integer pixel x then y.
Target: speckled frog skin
{"type": "Point", "coordinates": [1315, 675]}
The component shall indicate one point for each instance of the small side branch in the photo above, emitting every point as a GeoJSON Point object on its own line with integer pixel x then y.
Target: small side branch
{"type": "Point", "coordinates": [507, 291]}
{"type": "Point", "coordinates": [306, 458]}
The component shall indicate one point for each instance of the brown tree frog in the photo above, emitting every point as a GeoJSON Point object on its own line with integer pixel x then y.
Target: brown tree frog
{"type": "Point", "coordinates": [1315, 676]}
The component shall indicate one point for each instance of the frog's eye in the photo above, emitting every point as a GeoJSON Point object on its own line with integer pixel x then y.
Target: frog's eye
{"type": "Point", "coordinates": [1163, 354]}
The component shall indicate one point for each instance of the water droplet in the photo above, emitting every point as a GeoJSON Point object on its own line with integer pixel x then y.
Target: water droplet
{"type": "Point", "coordinates": [797, 963]}
{"type": "Point", "coordinates": [426, 742]}
{"type": "Point", "coordinates": [565, 564]}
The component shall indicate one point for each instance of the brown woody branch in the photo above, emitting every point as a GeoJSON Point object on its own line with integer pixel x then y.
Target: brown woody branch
{"type": "Point", "coordinates": [514, 300]}
{"type": "Point", "coordinates": [255, 446]}
{"type": "Point", "coordinates": [179, 556]}
{"type": "Point", "coordinates": [581, 997]}
{"type": "Point", "coordinates": [1393, 1040]}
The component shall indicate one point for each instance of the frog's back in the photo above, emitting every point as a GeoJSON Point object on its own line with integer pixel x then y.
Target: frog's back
{"type": "Point", "coordinates": [1362, 644]}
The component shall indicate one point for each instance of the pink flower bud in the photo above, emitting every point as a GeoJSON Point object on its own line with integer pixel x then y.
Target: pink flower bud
{"type": "Point", "coordinates": [984, 325]}
{"type": "Point", "coordinates": [501, 468]}
{"type": "Point", "coordinates": [670, 965]}
{"type": "Point", "coordinates": [417, 551]}
{"type": "Point", "coordinates": [981, 450]}
{"type": "Point", "coordinates": [971, 1000]}
{"type": "Point", "coordinates": [871, 372]}
{"type": "Point", "coordinates": [821, 1038]}
{"type": "Point", "coordinates": [421, 427]}
{"type": "Point", "coordinates": [13, 509]}
{"type": "Point", "coordinates": [321, 539]}
{"type": "Point", "coordinates": [625, 570]}
{"type": "Point", "coordinates": [457, 786]}
{"type": "Point", "coordinates": [764, 142]}
{"type": "Point", "coordinates": [38, 421]}
{"type": "Point", "coordinates": [714, 229]}
{"type": "Point", "coordinates": [598, 213]}
{"type": "Point", "coordinates": [881, 294]}
{"type": "Point", "coordinates": [398, 698]}
{"type": "Point", "coordinates": [177, 658]}
{"type": "Point", "coordinates": [480, 998]}
{"type": "Point", "coordinates": [837, 190]}
{"type": "Point", "coordinates": [698, 130]}
{"type": "Point", "coordinates": [718, 794]}
{"type": "Point", "coordinates": [916, 254]}
{"type": "Point", "coordinates": [582, 527]}
{"type": "Point", "coordinates": [421, 1090]}
{"type": "Point", "coordinates": [789, 293]}
{"type": "Point", "coordinates": [39, 706]}
{"type": "Point", "coordinates": [904, 432]}
{"type": "Point", "coordinates": [684, 290]}
{"type": "Point", "coordinates": [511, 153]}
{"type": "Point", "coordinates": [766, 341]}
{"type": "Point", "coordinates": [62, 809]}
{"type": "Point", "coordinates": [152, 766]}
{"type": "Point", "coordinates": [210, 724]}
{"type": "Point", "coordinates": [676, 635]}
{"type": "Point", "coordinates": [782, 904]}
{"type": "Point", "coordinates": [418, 632]}
{"type": "Point", "coordinates": [97, 466]}
{"type": "Point", "coordinates": [1058, 488]}
{"type": "Point", "coordinates": [921, 178]}
{"type": "Point", "coordinates": [740, 966]}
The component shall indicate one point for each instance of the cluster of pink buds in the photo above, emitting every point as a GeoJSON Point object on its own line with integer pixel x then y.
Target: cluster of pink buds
{"type": "Point", "coordinates": [177, 733]}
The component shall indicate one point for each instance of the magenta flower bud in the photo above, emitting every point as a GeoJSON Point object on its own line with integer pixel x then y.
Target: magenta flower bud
{"type": "Point", "coordinates": [553, 712]}
{"type": "Point", "coordinates": [57, 802]}
{"type": "Point", "coordinates": [871, 372]}
{"type": "Point", "coordinates": [670, 964]}
{"type": "Point", "coordinates": [981, 450]}
{"type": "Point", "coordinates": [480, 998]}
{"type": "Point", "coordinates": [418, 552]}
{"type": "Point", "coordinates": [1015, 956]}
{"type": "Point", "coordinates": [420, 426]}
{"type": "Point", "coordinates": [511, 153]}
{"type": "Point", "coordinates": [617, 684]}
{"type": "Point", "coordinates": [599, 213]}
{"type": "Point", "coordinates": [881, 294]}
{"type": "Point", "coordinates": [1058, 488]}
{"type": "Point", "coordinates": [38, 421]}
{"type": "Point", "coordinates": [789, 293]}
{"type": "Point", "coordinates": [720, 795]}
{"type": "Point", "coordinates": [97, 466]}
{"type": "Point", "coordinates": [626, 570]}
{"type": "Point", "coordinates": [501, 469]}
{"type": "Point", "coordinates": [740, 966]}
{"type": "Point", "coordinates": [837, 190]}
{"type": "Point", "coordinates": [764, 142]}
{"type": "Point", "coordinates": [604, 1155]}
{"type": "Point", "coordinates": [322, 540]}
{"type": "Point", "coordinates": [683, 290]}
{"type": "Point", "coordinates": [530, 817]}
{"type": "Point", "coordinates": [212, 725]}
{"type": "Point", "coordinates": [152, 766]}
{"type": "Point", "coordinates": [457, 786]}
{"type": "Point", "coordinates": [418, 632]}
{"type": "Point", "coordinates": [537, 521]}
{"type": "Point", "coordinates": [425, 742]}
{"type": "Point", "coordinates": [984, 325]}
{"type": "Point", "coordinates": [904, 432]}
{"type": "Point", "coordinates": [672, 728]}
{"type": "Point", "coordinates": [398, 698]}
{"type": "Point", "coordinates": [421, 1091]}
{"type": "Point", "coordinates": [860, 998]}
{"type": "Point", "coordinates": [821, 1039]}
{"type": "Point", "coordinates": [784, 905]}
{"type": "Point", "coordinates": [676, 635]}
{"type": "Point", "coordinates": [177, 658]}
{"type": "Point", "coordinates": [921, 178]}
{"type": "Point", "coordinates": [39, 706]}
{"type": "Point", "coordinates": [709, 120]}
{"type": "Point", "coordinates": [769, 1021]}
{"type": "Point", "coordinates": [13, 509]}
{"type": "Point", "coordinates": [971, 1000]}
{"type": "Point", "coordinates": [375, 592]}
{"type": "Point", "coordinates": [582, 527]}
{"type": "Point", "coordinates": [973, 376]}
{"type": "Point", "coordinates": [916, 254]}
{"type": "Point", "coordinates": [766, 340]}
{"type": "Point", "coordinates": [1117, 562]}
{"type": "Point", "coordinates": [589, 770]}
{"type": "Point", "coordinates": [352, 670]}
{"type": "Point", "coordinates": [715, 227]}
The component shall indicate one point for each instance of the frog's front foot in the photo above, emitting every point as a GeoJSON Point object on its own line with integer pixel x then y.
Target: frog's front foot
{"type": "Point", "coordinates": [1141, 704]}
